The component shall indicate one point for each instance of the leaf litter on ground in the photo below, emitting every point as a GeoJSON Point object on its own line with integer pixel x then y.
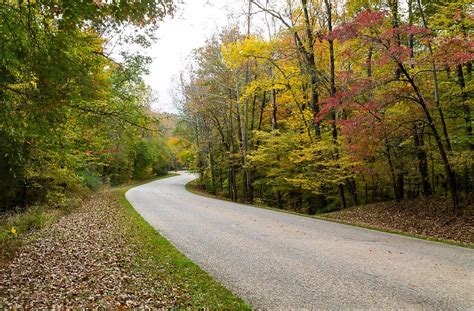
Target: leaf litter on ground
{"type": "Point", "coordinates": [430, 217]}
{"type": "Point", "coordinates": [86, 259]}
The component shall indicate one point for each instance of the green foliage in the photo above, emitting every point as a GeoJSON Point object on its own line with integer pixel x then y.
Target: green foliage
{"type": "Point", "coordinates": [70, 116]}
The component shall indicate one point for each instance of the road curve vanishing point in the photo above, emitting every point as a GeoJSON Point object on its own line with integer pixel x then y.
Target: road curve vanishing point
{"type": "Point", "coordinates": [276, 260]}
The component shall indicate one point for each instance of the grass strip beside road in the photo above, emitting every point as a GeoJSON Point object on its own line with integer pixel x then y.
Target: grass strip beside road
{"type": "Point", "coordinates": [157, 257]}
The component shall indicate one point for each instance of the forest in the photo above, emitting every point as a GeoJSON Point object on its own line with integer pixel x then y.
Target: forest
{"type": "Point", "coordinates": [75, 111]}
{"type": "Point", "coordinates": [316, 106]}
{"type": "Point", "coordinates": [310, 106]}
{"type": "Point", "coordinates": [316, 154]}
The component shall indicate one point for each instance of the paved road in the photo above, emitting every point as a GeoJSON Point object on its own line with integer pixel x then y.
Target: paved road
{"type": "Point", "coordinates": [278, 261]}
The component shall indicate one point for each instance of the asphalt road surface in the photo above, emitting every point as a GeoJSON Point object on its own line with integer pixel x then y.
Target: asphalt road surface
{"type": "Point", "coordinates": [276, 260]}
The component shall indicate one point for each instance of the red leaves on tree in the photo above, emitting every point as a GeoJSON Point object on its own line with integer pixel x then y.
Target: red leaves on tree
{"type": "Point", "coordinates": [456, 51]}
{"type": "Point", "coordinates": [370, 18]}
{"type": "Point", "coordinates": [345, 99]}
{"type": "Point", "coordinates": [400, 53]}
{"type": "Point", "coordinates": [366, 19]}
{"type": "Point", "coordinates": [343, 33]}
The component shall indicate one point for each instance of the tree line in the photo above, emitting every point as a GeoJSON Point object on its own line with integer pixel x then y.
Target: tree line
{"type": "Point", "coordinates": [335, 103]}
{"type": "Point", "coordinates": [74, 110]}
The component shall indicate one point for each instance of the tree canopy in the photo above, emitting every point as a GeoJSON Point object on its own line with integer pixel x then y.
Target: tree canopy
{"type": "Point", "coordinates": [73, 111]}
{"type": "Point", "coordinates": [336, 103]}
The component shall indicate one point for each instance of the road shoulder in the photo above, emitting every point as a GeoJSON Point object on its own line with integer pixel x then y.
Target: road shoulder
{"type": "Point", "coordinates": [105, 255]}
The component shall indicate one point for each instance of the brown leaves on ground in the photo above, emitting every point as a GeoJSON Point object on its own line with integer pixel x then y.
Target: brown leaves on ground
{"type": "Point", "coordinates": [84, 260]}
{"type": "Point", "coordinates": [429, 217]}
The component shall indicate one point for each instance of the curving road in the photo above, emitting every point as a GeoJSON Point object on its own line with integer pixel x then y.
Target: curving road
{"type": "Point", "coordinates": [278, 261]}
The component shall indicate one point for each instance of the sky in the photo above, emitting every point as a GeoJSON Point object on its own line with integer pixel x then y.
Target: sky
{"type": "Point", "coordinates": [193, 23]}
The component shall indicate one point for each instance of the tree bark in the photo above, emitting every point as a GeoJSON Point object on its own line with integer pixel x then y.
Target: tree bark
{"type": "Point", "coordinates": [435, 83]}
{"type": "Point", "coordinates": [451, 177]}
{"type": "Point", "coordinates": [422, 159]}
{"type": "Point", "coordinates": [311, 68]}
{"type": "Point", "coordinates": [332, 80]}
{"type": "Point", "coordinates": [465, 107]}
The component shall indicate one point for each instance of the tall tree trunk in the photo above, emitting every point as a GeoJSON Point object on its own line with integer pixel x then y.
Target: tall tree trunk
{"type": "Point", "coordinates": [311, 68]}
{"type": "Point", "coordinates": [221, 180]}
{"type": "Point", "coordinates": [411, 42]}
{"type": "Point", "coordinates": [332, 79]}
{"type": "Point", "coordinates": [467, 121]}
{"type": "Point", "coordinates": [262, 108]}
{"type": "Point", "coordinates": [451, 176]}
{"type": "Point", "coordinates": [418, 134]}
{"type": "Point", "coordinates": [274, 104]}
{"type": "Point", "coordinates": [392, 170]}
{"type": "Point", "coordinates": [465, 106]}
{"type": "Point", "coordinates": [243, 154]}
{"type": "Point", "coordinates": [435, 83]}
{"type": "Point", "coordinates": [244, 125]}
{"type": "Point", "coordinates": [394, 10]}
{"type": "Point", "coordinates": [211, 166]}
{"type": "Point", "coordinates": [231, 178]}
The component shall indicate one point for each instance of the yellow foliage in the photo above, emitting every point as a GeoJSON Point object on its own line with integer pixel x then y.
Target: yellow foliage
{"type": "Point", "coordinates": [236, 54]}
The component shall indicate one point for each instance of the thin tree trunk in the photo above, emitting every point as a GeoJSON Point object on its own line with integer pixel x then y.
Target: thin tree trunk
{"type": "Point", "coordinates": [394, 10]}
{"type": "Point", "coordinates": [243, 154]}
{"type": "Point", "coordinates": [274, 105]}
{"type": "Point", "coordinates": [411, 42]}
{"type": "Point", "coordinates": [211, 166]}
{"type": "Point", "coordinates": [332, 79]}
{"type": "Point", "coordinates": [232, 183]}
{"type": "Point", "coordinates": [422, 159]}
{"type": "Point", "coordinates": [392, 170]}
{"type": "Point", "coordinates": [435, 82]}
{"type": "Point", "coordinates": [262, 107]}
{"type": "Point", "coordinates": [311, 64]}
{"type": "Point", "coordinates": [465, 107]}
{"type": "Point", "coordinates": [451, 177]}
{"type": "Point", "coordinates": [244, 125]}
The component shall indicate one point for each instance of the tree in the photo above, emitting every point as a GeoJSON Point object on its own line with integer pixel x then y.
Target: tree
{"type": "Point", "coordinates": [63, 97]}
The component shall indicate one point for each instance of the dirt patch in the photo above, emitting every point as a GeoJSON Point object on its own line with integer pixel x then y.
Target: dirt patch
{"type": "Point", "coordinates": [428, 217]}
{"type": "Point", "coordinates": [86, 259]}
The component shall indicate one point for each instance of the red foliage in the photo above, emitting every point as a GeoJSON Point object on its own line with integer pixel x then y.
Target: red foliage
{"type": "Point", "coordinates": [400, 53]}
{"type": "Point", "coordinates": [404, 30]}
{"type": "Point", "coordinates": [370, 18]}
{"type": "Point", "coordinates": [412, 30]}
{"type": "Point", "coordinates": [343, 33]}
{"type": "Point", "coordinates": [456, 51]}
{"type": "Point", "coordinates": [366, 19]}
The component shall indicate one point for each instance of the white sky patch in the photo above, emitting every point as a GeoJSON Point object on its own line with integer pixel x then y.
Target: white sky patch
{"type": "Point", "coordinates": [195, 21]}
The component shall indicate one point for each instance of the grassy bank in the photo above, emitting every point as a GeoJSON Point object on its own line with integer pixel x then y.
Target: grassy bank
{"type": "Point", "coordinates": [406, 224]}
{"type": "Point", "coordinates": [151, 264]}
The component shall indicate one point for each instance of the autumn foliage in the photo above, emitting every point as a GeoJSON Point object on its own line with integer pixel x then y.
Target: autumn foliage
{"type": "Point", "coordinates": [336, 105]}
